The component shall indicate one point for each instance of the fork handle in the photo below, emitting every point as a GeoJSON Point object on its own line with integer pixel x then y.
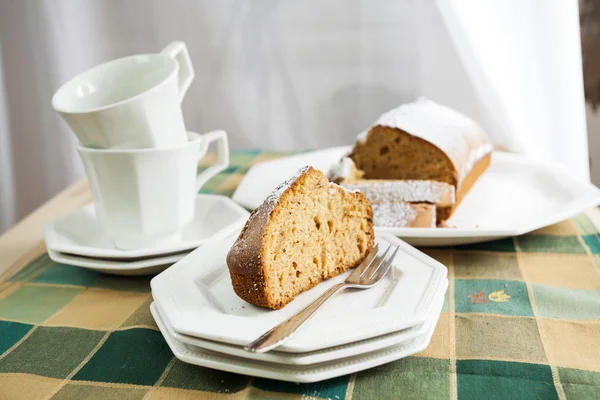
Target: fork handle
{"type": "Point", "coordinates": [282, 332]}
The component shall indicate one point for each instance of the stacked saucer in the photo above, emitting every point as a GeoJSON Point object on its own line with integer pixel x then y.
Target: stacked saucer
{"type": "Point", "coordinates": [205, 323]}
{"type": "Point", "coordinates": [79, 239]}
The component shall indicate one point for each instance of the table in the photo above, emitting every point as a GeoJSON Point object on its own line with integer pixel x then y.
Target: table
{"type": "Point", "coordinates": [521, 320]}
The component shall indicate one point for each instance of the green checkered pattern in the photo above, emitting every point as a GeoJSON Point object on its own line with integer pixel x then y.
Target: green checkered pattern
{"type": "Point", "coordinates": [521, 320]}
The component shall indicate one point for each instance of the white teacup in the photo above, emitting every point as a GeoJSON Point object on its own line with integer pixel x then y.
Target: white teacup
{"type": "Point", "coordinates": [143, 198]}
{"type": "Point", "coordinates": [129, 103]}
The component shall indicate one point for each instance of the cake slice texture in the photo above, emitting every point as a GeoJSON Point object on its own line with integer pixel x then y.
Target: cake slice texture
{"type": "Point", "coordinates": [307, 230]}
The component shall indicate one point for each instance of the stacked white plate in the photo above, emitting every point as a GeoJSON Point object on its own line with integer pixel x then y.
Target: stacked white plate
{"type": "Point", "coordinates": [78, 239]}
{"type": "Point", "coordinates": [205, 323]}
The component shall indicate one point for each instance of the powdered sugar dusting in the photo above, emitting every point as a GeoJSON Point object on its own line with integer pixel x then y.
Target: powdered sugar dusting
{"type": "Point", "coordinates": [455, 134]}
{"type": "Point", "coordinates": [275, 195]}
{"type": "Point", "coordinates": [439, 193]}
{"type": "Point", "coordinates": [398, 215]}
{"type": "Point", "coordinates": [362, 137]}
{"type": "Point", "coordinates": [343, 169]}
{"type": "Point", "coordinates": [382, 190]}
{"type": "Point", "coordinates": [263, 212]}
{"type": "Point", "coordinates": [333, 185]}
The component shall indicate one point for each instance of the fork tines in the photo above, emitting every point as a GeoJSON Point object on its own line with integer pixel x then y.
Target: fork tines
{"type": "Point", "coordinates": [376, 265]}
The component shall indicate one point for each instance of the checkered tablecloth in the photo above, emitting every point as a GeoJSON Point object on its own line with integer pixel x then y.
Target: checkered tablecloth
{"type": "Point", "coordinates": [521, 320]}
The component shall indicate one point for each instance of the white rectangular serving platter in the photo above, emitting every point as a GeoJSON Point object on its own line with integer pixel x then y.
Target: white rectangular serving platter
{"type": "Point", "coordinates": [514, 196]}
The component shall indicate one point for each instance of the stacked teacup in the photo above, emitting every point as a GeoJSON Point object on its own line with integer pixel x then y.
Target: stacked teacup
{"type": "Point", "coordinates": [140, 161]}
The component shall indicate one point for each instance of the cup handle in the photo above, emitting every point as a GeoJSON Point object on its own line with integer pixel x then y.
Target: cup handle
{"type": "Point", "coordinates": [222, 156]}
{"type": "Point", "coordinates": [179, 52]}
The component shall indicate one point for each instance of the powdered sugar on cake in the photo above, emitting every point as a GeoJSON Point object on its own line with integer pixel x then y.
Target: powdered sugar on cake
{"type": "Point", "coordinates": [343, 169]}
{"type": "Point", "coordinates": [379, 190]}
{"type": "Point", "coordinates": [275, 195]}
{"type": "Point", "coordinates": [264, 211]}
{"type": "Point", "coordinates": [400, 190]}
{"type": "Point", "coordinates": [362, 137]}
{"type": "Point", "coordinates": [333, 185]}
{"type": "Point", "coordinates": [395, 215]}
{"type": "Point", "coordinates": [455, 134]}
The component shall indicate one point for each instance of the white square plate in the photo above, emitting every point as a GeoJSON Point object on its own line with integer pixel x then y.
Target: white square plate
{"type": "Point", "coordinates": [308, 373]}
{"type": "Point", "coordinates": [198, 300]}
{"type": "Point", "coordinates": [514, 196]}
{"type": "Point", "coordinates": [319, 356]}
{"type": "Point", "coordinates": [80, 233]}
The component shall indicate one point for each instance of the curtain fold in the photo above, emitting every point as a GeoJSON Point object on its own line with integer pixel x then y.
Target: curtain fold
{"type": "Point", "coordinates": [524, 59]}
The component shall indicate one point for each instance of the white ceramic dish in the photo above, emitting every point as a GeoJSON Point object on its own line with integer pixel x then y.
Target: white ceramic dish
{"type": "Point", "coordinates": [131, 102]}
{"type": "Point", "coordinates": [198, 300]}
{"type": "Point", "coordinates": [144, 198]}
{"type": "Point", "coordinates": [319, 356]}
{"type": "Point", "coordinates": [80, 233]}
{"type": "Point", "coordinates": [309, 373]}
{"type": "Point", "coordinates": [144, 266]}
{"type": "Point", "coordinates": [514, 196]}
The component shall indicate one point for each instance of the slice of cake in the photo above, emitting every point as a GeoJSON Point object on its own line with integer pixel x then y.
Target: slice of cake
{"type": "Point", "coordinates": [397, 203]}
{"type": "Point", "coordinates": [385, 190]}
{"type": "Point", "coordinates": [307, 230]}
{"type": "Point", "coordinates": [424, 141]}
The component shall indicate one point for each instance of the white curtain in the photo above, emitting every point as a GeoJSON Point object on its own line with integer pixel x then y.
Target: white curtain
{"type": "Point", "coordinates": [294, 74]}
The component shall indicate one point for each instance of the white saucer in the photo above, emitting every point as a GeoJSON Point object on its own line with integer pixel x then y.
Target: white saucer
{"type": "Point", "coordinates": [197, 299]}
{"type": "Point", "coordinates": [319, 356]}
{"type": "Point", "coordinates": [80, 234]}
{"type": "Point", "coordinates": [142, 266]}
{"type": "Point", "coordinates": [308, 373]}
{"type": "Point", "coordinates": [514, 196]}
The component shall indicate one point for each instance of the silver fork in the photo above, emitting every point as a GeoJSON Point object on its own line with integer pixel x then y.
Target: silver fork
{"type": "Point", "coordinates": [365, 276]}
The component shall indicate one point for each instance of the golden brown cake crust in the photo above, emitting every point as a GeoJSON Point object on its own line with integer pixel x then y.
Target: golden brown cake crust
{"type": "Point", "coordinates": [250, 287]}
{"type": "Point", "coordinates": [250, 257]}
{"type": "Point", "coordinates": [244, 259]}
{"type": "Point", "coordinates": [478, 169]}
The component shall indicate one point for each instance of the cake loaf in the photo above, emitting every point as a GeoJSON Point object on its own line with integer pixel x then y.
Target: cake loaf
{"type": "Point", "coordinates": [307, 230]}
{"type": "Point", "coordinates": [424, 141]}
